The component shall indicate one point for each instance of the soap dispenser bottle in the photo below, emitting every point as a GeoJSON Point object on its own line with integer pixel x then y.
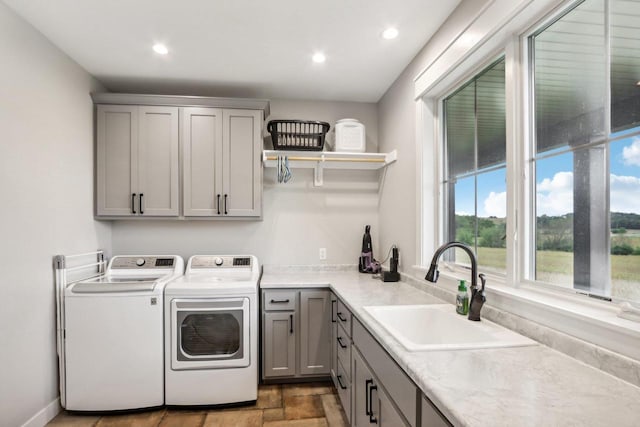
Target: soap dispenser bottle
{"type": "Point", "coordinates": [462, 299]}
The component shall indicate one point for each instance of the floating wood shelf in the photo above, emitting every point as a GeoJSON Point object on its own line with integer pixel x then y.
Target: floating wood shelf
{"type": "Point", "coordinates": [320, 160]}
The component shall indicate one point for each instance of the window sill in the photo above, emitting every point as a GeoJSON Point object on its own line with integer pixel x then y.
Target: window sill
{"type": "Point", "coordinates": [590, 320]}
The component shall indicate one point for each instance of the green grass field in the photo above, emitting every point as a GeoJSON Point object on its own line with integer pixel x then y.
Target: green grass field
{"type": "Point", "coordinates": [557, 267]}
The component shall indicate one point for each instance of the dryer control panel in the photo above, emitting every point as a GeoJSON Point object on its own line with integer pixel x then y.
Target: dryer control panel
{"type": "Point", "coordinates": [213, 261]}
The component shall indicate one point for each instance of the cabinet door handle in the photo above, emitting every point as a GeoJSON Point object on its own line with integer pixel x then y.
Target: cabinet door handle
{"type": "Point", "coordinates": [279, 301]}
{"type": "Point", "coordinates": [342, 319]}
{"type": "Point", "coordinates": [218, 204]}
{"type": "Point", "coordinates": [333, 317]}
{"type": "Point", "coordinates": [340, 342]}
{"type": "Point", "coordinates": [291, 323]}
{"type": "Point", "coordinates": [342, 386]}
{"type": "Point", "coordinates": [141, 211]}
{"type": "Point", "coordinates": [225, 205]}
{"type": "Point", "coordinates": [133, 203]}
{"type": "Point", "coordinates": [367, 397]}
{"type": "Point", "coordinates": [372, 419]}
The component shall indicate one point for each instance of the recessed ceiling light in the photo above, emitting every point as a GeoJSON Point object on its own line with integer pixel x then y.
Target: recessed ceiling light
{"type": "Point", "coordinates": [319, 57]}
{"type": "Point", "coordinates": [638, 83]}
{"type": "Point", "coordinates": [390, 33]}
{"type": "Point", "coordinates": [160, 49]}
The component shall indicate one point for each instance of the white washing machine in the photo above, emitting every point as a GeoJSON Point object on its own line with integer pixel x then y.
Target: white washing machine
{"type": "Point", "coordinates": [113, 335]}
{"type": "Point", "coordinates": [211, 332]}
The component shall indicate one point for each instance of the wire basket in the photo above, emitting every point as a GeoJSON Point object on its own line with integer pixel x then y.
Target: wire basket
{"type": "Point", "coordinates": [298, 134]}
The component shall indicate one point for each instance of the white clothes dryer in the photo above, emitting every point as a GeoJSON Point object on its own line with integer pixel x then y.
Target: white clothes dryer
{"type": "Point", "coordinates": [113, 335]}
{"type": "Point", "coordinates": [211, 332]}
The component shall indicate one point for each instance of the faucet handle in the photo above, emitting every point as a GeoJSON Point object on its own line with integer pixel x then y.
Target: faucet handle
{"type": "Point", "coordinates": [483, 280]}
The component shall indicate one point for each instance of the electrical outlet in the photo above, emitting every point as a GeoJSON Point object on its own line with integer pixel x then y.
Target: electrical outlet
{"type": "Point", "coordinates": [323, 253]}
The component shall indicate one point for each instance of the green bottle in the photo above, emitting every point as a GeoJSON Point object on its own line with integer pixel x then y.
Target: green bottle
{"type": "Point", "coordinates": [462, 299]}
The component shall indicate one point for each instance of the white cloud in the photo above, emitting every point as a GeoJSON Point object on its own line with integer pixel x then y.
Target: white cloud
{"type": "Point", "coordinates": [496, 205]}
{"type": "Point", "coordinates": [555, 196]}
{"type": "Point", "coordinates": [625, 194]}
{"type": "Point", "coordinates": [631, 154]}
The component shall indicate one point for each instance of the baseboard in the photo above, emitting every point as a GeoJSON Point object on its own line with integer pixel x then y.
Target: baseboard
{"type": "Point", "coordinates": [43, 416]}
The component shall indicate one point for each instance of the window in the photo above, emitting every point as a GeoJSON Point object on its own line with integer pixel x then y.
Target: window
{"type": "Point", "coordinates": [475, 173]}
{"type": "Point", "coordinates": [585, 154]}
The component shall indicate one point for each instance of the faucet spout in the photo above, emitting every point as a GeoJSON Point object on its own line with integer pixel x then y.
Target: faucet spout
{"type": "Point", "coordinates": [477, 295]}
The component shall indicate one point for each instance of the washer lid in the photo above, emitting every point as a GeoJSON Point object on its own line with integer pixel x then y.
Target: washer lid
{"type": "Point", "coordinates": [108, 284]}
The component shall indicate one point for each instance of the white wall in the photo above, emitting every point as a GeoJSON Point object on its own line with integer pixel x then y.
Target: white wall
{"type": "Point", "coordinates": [397, 130]}
{"type": "Point", "coordinates": [46, 188]}
{"type": "Point", "coordinates": [298, 218]}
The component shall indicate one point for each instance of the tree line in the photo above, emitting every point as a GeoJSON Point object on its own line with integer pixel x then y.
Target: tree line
{"type": "Point", "coordinates": [553, 233]}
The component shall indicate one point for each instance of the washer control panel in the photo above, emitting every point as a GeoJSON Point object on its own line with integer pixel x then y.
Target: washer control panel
{"type": "Point", "coordinates": [206, 261]}
{"type": "Point", "coordinates": [142, 262]}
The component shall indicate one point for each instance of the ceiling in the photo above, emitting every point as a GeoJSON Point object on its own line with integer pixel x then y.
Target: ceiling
{"type": "Point", "coordinates": [240, 47]}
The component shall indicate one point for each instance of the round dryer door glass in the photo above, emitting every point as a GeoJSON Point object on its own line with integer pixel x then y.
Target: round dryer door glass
{"type": "Point", "coordinates": [211, 335]}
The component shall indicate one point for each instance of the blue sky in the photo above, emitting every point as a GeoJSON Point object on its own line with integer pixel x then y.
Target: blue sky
{"type": "Point", "coordinates": [555, 184]}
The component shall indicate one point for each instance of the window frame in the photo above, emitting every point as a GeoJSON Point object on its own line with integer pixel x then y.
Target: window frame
{"type": "Point", "coordinates": [443, 177]}
{"type": "Point", "coordinates": [561, 309]}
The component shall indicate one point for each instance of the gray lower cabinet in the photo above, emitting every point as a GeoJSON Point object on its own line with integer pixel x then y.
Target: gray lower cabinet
{"type": "Point", "coordinates": [431, 416]}
{"type": "Point", "coordinates": [279, 350]}
{"type": "Point", "coordinates": [315, 333]}
{"type": "Point", "coordinates": [137, 161]}
{"type": "Point", "coordinates": [296, 333]}
{"type": "Point", "coordinates": [332, 347]}
{"type": "Point", "coordinates": [371, 404]}
{"type": "Point", "coordinates": [390, 382]}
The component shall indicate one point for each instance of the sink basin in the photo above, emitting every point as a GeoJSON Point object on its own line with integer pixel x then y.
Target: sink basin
{"type": "Point", "coordinates": [439, 327]}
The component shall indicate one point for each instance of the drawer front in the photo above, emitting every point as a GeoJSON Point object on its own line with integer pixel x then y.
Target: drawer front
{"type": "Point", "coordinates": [344, 318]}
{"type": "Point", "coordinates": [343, 347]}
{"type": "Point", "coordinates": [279, 300]}
{"type": "Point", "coordinates": [400, 387]}
{"type": "Point", "coordinates": [344, 390]}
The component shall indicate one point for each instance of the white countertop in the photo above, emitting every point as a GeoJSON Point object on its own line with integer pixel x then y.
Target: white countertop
{"type": "Point", "coordinates": [524, 386]}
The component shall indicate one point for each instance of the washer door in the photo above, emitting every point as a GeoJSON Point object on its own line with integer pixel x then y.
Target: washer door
{"type": "Point", "coordinates": [210, 333]}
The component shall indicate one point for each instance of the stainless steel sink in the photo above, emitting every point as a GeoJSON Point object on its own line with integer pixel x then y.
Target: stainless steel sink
{"type": "Point", "coordinates": [439, 327]}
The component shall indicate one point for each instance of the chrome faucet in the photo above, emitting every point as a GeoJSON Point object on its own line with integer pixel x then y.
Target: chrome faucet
{"type": "Point", "coordinates": [477, 296]}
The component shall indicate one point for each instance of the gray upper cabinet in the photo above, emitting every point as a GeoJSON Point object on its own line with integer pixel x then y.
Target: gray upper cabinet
{"type": "Point", "coordinates": [140, 139]}
{"type": "Point", "coordinates": [137, 161]}
{"type": "Point", "coordinates": [117, 158]}
{"type": "Point", "coordinates": [202, 161]}
{"type": "Point", "coordinates": [315, 333]}
{"type": "Point", "coordinates": [242, 174]}
{"type": "Point", "coordinates": [221, 162]}
{"type": "Point", "coordinates": [158, 179]}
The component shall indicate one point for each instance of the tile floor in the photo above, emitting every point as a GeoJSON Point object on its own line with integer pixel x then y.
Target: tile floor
{"type": "Point", "coordinates": [287, 405]}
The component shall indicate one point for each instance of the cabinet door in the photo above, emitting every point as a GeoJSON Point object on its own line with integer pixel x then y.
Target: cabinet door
{"type": "Point", "coordinates": [279, 349]}
{"type": "Point", "coordinates": [241, 151]}
{"type": "Point", "coordinates": [333, 324]}
{"type": "Point", "coordinates": [202, 161]}
{"type": "Point", "coordinates": [315, 334]}
{"type": "Point", "coordinates": [158, 161]}
{"type": "Point", "coordinates": [431, 417]}
{"type": "Point", "coordinates": [117, 155]}
{"type": "Point", "coordinates": [362, 381]}
{"type": "Point", "coordinates": [385, 412]}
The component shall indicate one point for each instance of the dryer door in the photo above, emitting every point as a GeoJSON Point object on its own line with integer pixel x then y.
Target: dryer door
{"type": "Point", "coordinates": [210, 333]}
